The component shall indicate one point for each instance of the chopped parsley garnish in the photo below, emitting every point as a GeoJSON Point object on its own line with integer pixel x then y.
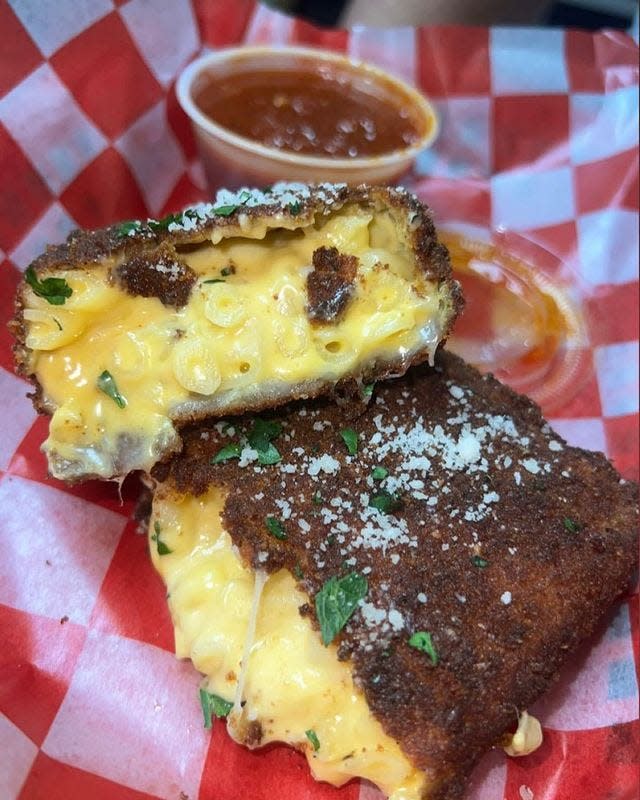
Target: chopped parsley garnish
{"type": "Point", "coordinates": [571, 525]}
{"type": "Point", "coordinates": [107, 384]}
{"type": "Point", "coordinates": [57, 323]}
{"type": "Point", "coordinates": [275, 528]}
{"type": "Point", "coordinates": [295, 208]}
{"type": "Point", "coordinates": [126, 228]}
{"type": "Point", "coordinates": [161, 547]}
{"type": "Point", "coordinates": [228, 452]}
{"type": "Point", "coordinates": [263, 432]}
{"type": "Point", "coordinates": [163, 224]}
{"type": "Point", "coordinates": [422, 641]}
{"type": "Point", "coordinates": [213, 706]}
{"type": "Point", "coordinates": [226, 271]}
{"type": "Point", "coordinates": [336, 602]}
{"type": "Point", "coordinates": [350, 438]}
{"type": "Point", "coordinates": [367, 389]}
{"type": "Point", "coordinates": [54, 290]}
{"type": "Point", "coordinates": [385, 502]}
{"type": "Point", "coordinates": [270, 455]}
{"type": "Point", "coordinates": [214, 280]}
{"type": "Point", "coordinates": [379, 473]}
{"type": "Point", "coordinates": [260, 436]}
{"type": "Point", "coordinates": [478, 561]}
{"type": "Point", "coordinates": [312, 737]}
{"type": "Point", "coordinates": [317, 498]}
{"type": "Point", "coordinates": [297, 572]}
{"type": "Point", "coordinates": [226, 211]}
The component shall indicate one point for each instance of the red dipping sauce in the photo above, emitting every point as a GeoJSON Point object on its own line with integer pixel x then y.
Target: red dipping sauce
{"type": "Point", "coordinates": [317, 109]}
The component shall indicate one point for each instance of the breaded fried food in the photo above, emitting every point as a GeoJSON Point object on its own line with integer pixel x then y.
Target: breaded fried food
{"type": "Point", "coordinates": [258, 299]}
{"type": "Point", "coordinates": [386, 586]}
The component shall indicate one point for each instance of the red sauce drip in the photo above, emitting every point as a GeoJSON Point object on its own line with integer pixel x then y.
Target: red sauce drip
{"type": "Point", "coordinates": [517, 323]}
{"type": "Point", "coordinates": [317, 111]}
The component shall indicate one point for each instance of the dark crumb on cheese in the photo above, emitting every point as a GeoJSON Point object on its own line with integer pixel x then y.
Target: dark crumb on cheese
{"type": "Point", "coordinates": [508, 547]}
{"type": "Point", "coordinates": [330, 284]}
{"type": "Point", "coordinates": [253, 734]}
{"type": "Point", "coordinates": [159, 273]}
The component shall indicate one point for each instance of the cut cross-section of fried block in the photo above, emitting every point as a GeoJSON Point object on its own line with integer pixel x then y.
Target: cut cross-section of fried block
{"type": "Point", "coordinates": [400, 583]}
{"type": "Point", "coordinates": [258, 299]}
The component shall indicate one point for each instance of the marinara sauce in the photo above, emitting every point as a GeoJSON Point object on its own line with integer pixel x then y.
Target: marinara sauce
{"type": "Point", "coordinates": [316, 110]}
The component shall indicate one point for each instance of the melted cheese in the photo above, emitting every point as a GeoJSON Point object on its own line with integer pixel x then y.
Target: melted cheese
{"type": "Point", "coordinates": [527, 738]}
{"type": "Point", "coordinates": [291, 683]}
{"type": "Point", "coordinates": [234, 340]}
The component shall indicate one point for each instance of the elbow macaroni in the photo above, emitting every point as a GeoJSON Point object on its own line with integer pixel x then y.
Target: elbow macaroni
{"type": "Point", "coordinates": [210, 598]}
{"type": "Point", "coordinates": [245, 333]}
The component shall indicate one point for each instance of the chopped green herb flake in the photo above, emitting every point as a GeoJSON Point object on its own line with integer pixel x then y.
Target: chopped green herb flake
{"type": "Point", "coordinates": [270, 455]}
{"type": "Point", "coordinates": [478, 561]}
{"type": "Point", "coordinates": [214, 280]}
{"type": "Point", "coordinates": [163, 224]}
{"type": "Point", "coordinates": [107, 384]}
{"type": "Point", "coordinates": [350, 438]}
{"type": "Point", "coordinates": [379, 473]}
{"type": "Point", "coordinates": [297, 572]}
{"type": "Point", "coordinates": [57, 323]}
{"type": "Point", "coordinates": [126, 228]}
{"type": "Point", "coordinates": [226, 271]}
{"type": "Point", "coordinates": [161, 547]}
{"type": "Point", "coordinates": [275, 528]}
{"type": "Point", "coordinates": [385, 502]}
{"type": "Point", "coordinates": [315, 742]}
{"type": "Point", "coordinates": [228, 452]}
{"type": "Point", "coordinates": [263, 432]}
{"type": "Point", "coordinates": [421, 640]}
{"type": "Point", "coordinates": [336, 602]}
{"type": "Point", "coordinates": [317, 498]}
{"type": "Point", "coordinates": [571, 525]}
{"type": "Point", "coordinates": [54, 290]}
{"type": "Point", "coordinates": [367, 389]}
{"type": "Point", "coordinates": [213, 706]}
{"type": "Point", "coordinates": [225, 211]}
{"type": "Point", "coordinates": [295, 208]}
{"type": "Point", "coordinates": [260, 436]}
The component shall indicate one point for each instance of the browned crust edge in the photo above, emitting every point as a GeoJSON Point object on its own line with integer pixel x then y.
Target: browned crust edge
{"type": "Point", "coordinates": [563, 582]}
{"type": "Point", "coordinates": [84, 247]}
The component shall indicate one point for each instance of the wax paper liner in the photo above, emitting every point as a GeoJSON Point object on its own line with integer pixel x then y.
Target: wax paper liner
{"type": "Point", "coordinates": [538, 142]}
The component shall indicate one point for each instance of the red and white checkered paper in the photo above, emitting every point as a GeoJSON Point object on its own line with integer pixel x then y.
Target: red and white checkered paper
{"type": "Point", "coordinates": [539, 137]}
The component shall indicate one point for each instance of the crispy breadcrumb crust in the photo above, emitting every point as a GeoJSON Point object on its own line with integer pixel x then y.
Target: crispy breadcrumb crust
{"type": "Point", "coordinates": [135, 244]}
{"type": "Point", "coordinates": [506, 591]}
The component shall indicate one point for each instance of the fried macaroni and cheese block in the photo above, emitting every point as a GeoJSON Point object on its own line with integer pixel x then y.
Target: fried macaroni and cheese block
{"type": "Point", "coordinates": [388, 588]}
{"type": "Point", "coordinates": [258, 299]}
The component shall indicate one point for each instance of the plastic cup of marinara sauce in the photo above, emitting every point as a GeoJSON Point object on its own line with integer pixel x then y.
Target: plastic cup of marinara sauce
{"type": "Point", "coordinates": [261, 115]}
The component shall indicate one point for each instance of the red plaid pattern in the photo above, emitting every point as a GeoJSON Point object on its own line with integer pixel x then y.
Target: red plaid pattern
{"type": "Point", "coordinates": [539, 137]}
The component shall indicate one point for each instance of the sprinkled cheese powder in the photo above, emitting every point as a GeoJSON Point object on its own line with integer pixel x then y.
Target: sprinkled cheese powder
{"type": "Point", "coordinates": [446, 480]}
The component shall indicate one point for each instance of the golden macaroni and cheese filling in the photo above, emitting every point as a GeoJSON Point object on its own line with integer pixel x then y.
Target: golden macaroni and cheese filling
{"type": "Point", "coordinates": [254, 646]}
{"type": "Point", "coordinates": [284, 309]}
